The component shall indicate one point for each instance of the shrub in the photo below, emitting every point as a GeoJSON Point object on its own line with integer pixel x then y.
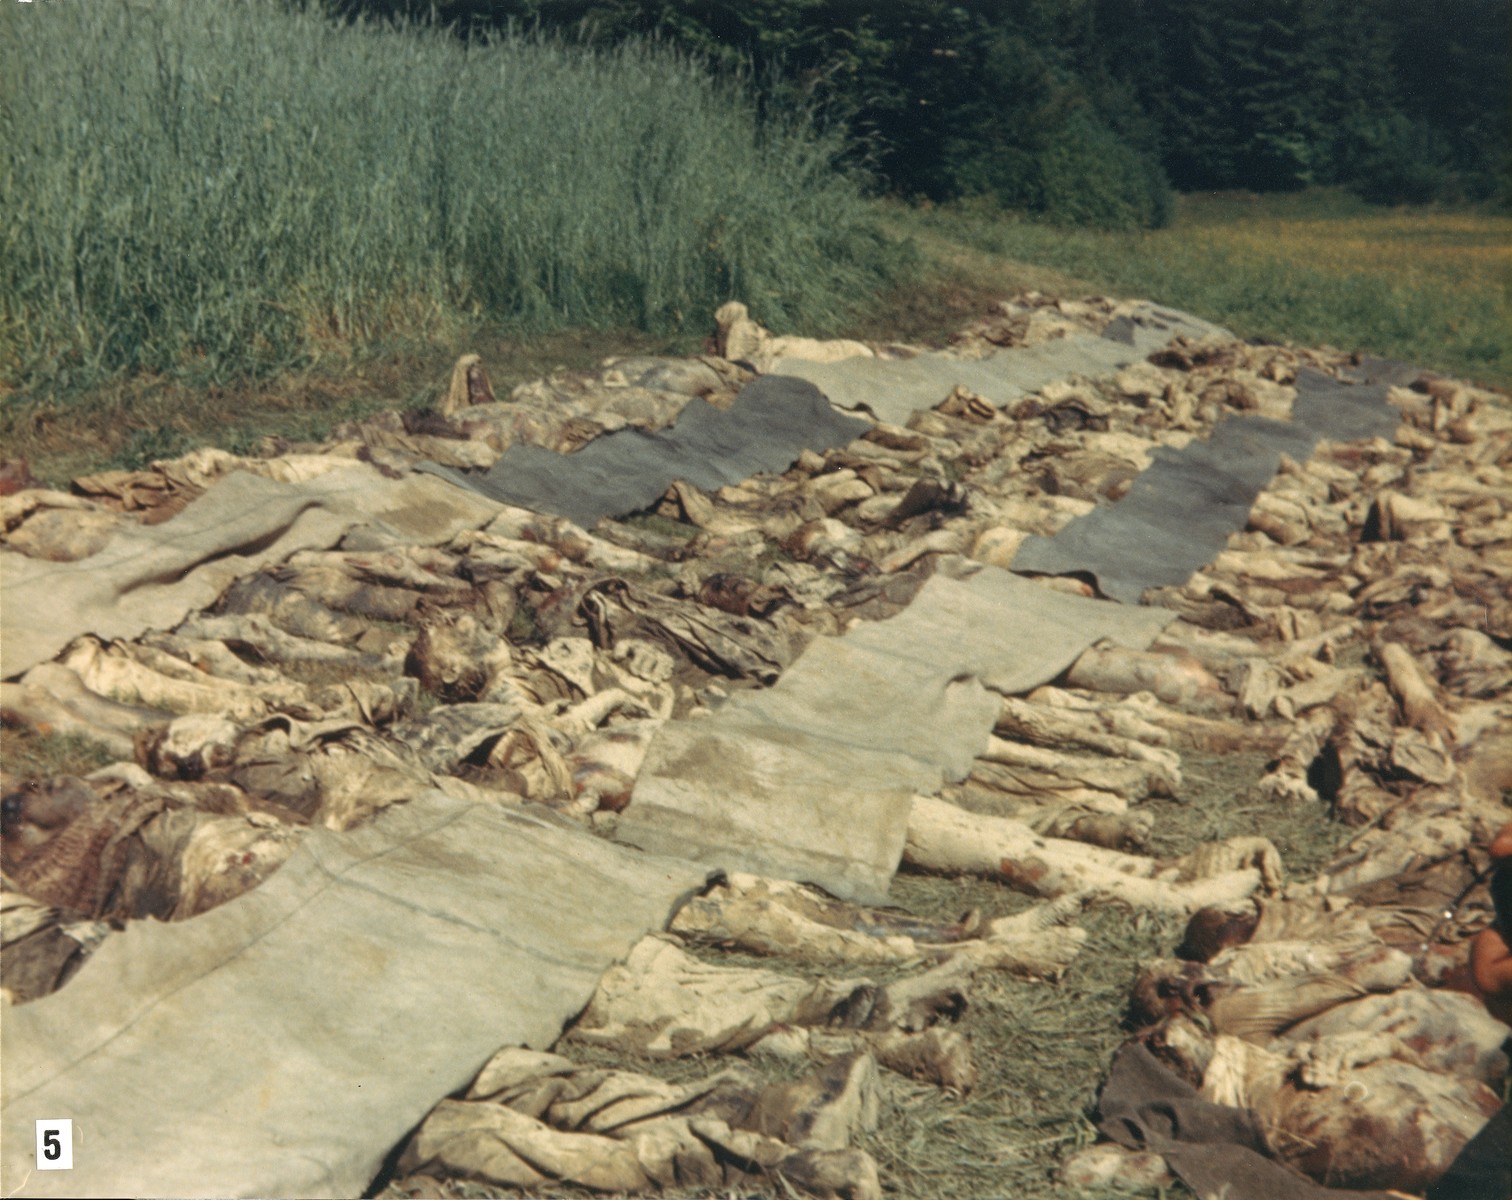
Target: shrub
{"type": "Point", "coordinates": [1075, 172]}
{"type": "Point", "coordinates": [1091, 177]}
{"type": "Point", "coordinates": [1034, 139]}
{"type": "Point", "coordinates": [1404, 162]}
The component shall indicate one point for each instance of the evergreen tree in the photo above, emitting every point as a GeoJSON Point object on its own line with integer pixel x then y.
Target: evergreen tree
{"type": "Point", "coordinates": [1085, 107]}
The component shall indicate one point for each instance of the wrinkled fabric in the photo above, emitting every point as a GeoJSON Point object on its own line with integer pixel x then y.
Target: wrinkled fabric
{"type": "Point", "coordinates": [623, 472]}
{"type": "Point", "coordinates": [894, 388]}
{"type": "Point", "coordinates": [1347, 633]}
{"type": "Point", "coordinates": [151, 576]}
{"type": "Point", "coordinates": [813, 778]}
{"type": "Point", "coordinates": [273, 1024]}
{"type": "Point", "coordinates": [1179, 514]}
{"type": "Point", "coordinates": [1483, 1170]}
{"type": "Point", "coordinates": [1215, 1150]}
{"type": "Point", "coordinates": [41, 946]}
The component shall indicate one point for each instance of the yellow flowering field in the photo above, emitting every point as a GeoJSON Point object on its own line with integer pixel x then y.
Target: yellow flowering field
{"type": "Point", "coordinates": [1428, 285]}
{"type": "Point", "coordinates": [1468, 251]}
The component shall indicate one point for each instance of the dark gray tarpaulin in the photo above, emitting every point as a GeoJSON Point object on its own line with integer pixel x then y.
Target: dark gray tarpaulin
{"type": "Point", "coordinates": [1342, 412]}
{"type": "Point", "coordinates": [1178, 514]}
{"type": "Point", "coordinates": [813, 778]}
{"type": "Point", "coordinates": [771, 421]}
{"type": "Point", "coordinates": [283, 1043]}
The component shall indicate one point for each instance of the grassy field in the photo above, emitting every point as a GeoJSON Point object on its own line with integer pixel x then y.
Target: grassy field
{"type": "Point", "coordinates": [1423, 284]}
{"type": "Point", "coordinates": [1431, 286]}
{"type": "Point", "coordinates": [236, 222]}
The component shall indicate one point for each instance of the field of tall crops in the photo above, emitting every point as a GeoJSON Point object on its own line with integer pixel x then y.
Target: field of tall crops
{"type": "Point", "coordinates": [223, 189]}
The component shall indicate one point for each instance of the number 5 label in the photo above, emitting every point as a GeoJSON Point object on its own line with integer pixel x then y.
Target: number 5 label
{"type": "Point", "coordinates": [55, 1145]}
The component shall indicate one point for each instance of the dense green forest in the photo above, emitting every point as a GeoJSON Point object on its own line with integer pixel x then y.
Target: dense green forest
{"type": "Point", "coordinates": [1090, 111]}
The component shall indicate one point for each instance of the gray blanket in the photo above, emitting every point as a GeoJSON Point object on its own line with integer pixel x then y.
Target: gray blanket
{"type": "Point", "coordinates": [771, 421]}
{"type": "Point", "coordinates": [1179, 513]}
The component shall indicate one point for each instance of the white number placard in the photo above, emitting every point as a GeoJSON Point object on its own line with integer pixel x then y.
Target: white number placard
{"type": "Point", "coordinates": [55, 1145]}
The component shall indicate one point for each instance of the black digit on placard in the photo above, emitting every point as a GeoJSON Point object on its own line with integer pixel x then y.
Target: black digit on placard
{"type": "Point", "coordinates": [51, 1147]}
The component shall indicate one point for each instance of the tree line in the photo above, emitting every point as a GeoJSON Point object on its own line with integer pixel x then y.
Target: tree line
{"type": "Point", "coordinates": [1092, 111]}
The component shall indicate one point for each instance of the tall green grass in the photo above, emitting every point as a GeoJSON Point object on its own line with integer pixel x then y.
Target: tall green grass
{"type": "Point", "coordinates": [1428, 285]}
{"type": "Point", "coordinates": [229, 187]}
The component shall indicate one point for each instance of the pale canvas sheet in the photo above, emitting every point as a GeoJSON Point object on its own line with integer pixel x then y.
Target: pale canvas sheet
{"type": "Point", "coordinates": [894, 389]}
{"type": "Point", "coordinates": [812, 779]}
{"type": "Point", "coordinates": [284, 1043]}
{"type": "Point", "coordinates": [152, 576]}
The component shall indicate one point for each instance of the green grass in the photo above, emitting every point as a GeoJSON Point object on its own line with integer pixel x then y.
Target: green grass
{"type": "Point", "coordinates": [129, 420]}
{"type": "Point", "coordinates": [1041, 1049]}
{"type": "Point", "coordinates": [1428, 285]}
{"type": "Point", "coordinates": [25, 753]}
{"type": "Point", "coordinates": [236, 223]}
{"type": "Point", "coordinates": [213, 191]}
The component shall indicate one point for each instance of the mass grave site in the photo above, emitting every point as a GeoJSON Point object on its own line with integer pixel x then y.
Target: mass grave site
{"type": "Point", "coordinates": [516, 797]}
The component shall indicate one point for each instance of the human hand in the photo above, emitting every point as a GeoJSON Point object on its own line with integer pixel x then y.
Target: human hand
{"type": "Point", "coordinates": [1490, 955]}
